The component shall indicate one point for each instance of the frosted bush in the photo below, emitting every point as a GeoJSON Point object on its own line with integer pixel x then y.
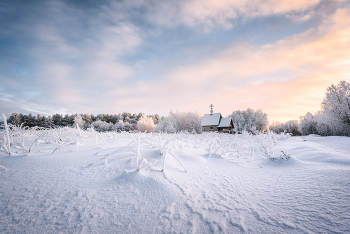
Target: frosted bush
{"type": "Point", "coordinates": [102, 126]}
{"type": "Point", "coordinates": [145, 124]}
{"type": "Point", "coordinates": [284, 155]}
{"type": "Point", "coordinates": [78, 120]}
{"type": "Point", "coordinates": [119, 126]}
{"type": "Point", "coordinates": [241, 147]}
{"type": "Point", "coordinates": [24, 140]}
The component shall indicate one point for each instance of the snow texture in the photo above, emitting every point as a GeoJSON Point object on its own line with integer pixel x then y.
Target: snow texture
{"type": "Point", "coordinates": [209, 120]}
{"type": "Point", "coordinates": [99, 190]}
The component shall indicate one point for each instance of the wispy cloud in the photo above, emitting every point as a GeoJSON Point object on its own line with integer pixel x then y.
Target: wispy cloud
{"type": "Point", "coordinates": [212, 12]}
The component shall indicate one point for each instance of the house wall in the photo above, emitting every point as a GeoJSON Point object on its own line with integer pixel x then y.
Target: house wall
{"type": "Point", "coordinates": [206, 129]}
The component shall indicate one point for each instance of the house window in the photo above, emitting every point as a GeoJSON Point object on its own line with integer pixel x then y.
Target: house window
{"type": "Point", "coordinates": [211, 128]}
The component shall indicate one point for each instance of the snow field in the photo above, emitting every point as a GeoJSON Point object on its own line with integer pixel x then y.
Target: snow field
{"type": "Point", "coordinates": [92, 185]}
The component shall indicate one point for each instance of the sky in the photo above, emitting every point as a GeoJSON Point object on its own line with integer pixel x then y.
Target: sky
{"type": "Point", "coordinates": [60, 56]}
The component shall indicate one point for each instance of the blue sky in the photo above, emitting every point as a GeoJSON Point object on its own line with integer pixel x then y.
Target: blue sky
{"type": "Point", "coordinates": [156, 56]}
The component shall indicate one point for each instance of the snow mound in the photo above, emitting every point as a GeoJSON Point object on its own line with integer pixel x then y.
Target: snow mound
{"type": "Point", "coordinates": [322, 152]}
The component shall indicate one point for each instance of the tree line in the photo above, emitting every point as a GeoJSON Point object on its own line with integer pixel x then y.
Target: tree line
{"type": "Point", "coordinates": [99, 121]}
{"type": "Point", "coordinates": [248, 120]}
{"type": "Point", "coordinates": [332, 120]}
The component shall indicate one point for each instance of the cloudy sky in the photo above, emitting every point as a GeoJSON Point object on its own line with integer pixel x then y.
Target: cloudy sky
{"type": "Point", "coordinates": [155, 56]}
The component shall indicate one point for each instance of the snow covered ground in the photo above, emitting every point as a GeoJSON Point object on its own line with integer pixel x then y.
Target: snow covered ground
{"type": "Point", "coordinates": [95, 190]}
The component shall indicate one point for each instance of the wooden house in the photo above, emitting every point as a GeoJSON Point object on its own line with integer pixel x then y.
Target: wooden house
{"type": "Point", "coordinates": [215, 122]}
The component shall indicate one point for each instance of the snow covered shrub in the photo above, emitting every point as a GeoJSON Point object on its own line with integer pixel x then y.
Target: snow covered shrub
{"type": "Point", "coordinates": [145, 124]}
{"type": "Point", "coordinates": [128, 127]}
{"type": "Point", "coordinates": [119, 126]}
{"type": "Point", "coordinates": [102, 126]}
{"type": "Point", "coordinates": [284, 155]}
{"type": "Point", "coordinates": [242, 147]}
{"type": "Point", "coordinates": [6, 142]}
{"type": "Point", "coordinates": [214, 146]}
{"type": "Point", "coordinates": [264, 143]}
{"type": "Point", "coordinates": [169, 148]}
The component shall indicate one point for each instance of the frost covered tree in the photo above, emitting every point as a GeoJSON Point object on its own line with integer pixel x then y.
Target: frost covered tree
{"type": "Point", "coordinates": [31, 120]}
{"type": "Point", "coordinates": [334, 116]}
{"type": "Point", "coordinates": [291, 126]}
{"type": "Point", "coordinates": [193, 122]}
{"type": "Point", "coordinates": [119, 127]}
{"type": "Point", "coordinates": [69, 120]}
{"type": "Point", "coordinates": [238, 120]}
{"type": "Point", "coordinates": [57, 119]}
{"type": "Point", "coordinates": [249, 120]}
{"type": "Point", "coordinates": [128, 127]}
{"type": "Point", "coordinates": [155, 118]}
{"type": "Point", "coordinates": [145, 124]}
{"type": "Point", "coordinates": [78, 120]}
{"type": "Point", "coordinates": [40, 121]}
{"type": "Point", "coordinates": [180, 121]}
{"type": "Point", "coordinates": [102, 126]}
{"type": "Point", "coordinates": [168, 125]}
{"type": "Point", "coordinates": [87, 119]}
{"type": "Point", "coordinates": [49, 122]}
{"type": "Point", "coordinates": [15, 119]}
{"type": "Point", "coordinates": [308, 124]}
{"type": "Point", "coordinates": [336, 106]}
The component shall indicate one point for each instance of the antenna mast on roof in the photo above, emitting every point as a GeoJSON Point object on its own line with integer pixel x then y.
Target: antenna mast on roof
{"type": "Point", "coordinates": [211, 109]}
